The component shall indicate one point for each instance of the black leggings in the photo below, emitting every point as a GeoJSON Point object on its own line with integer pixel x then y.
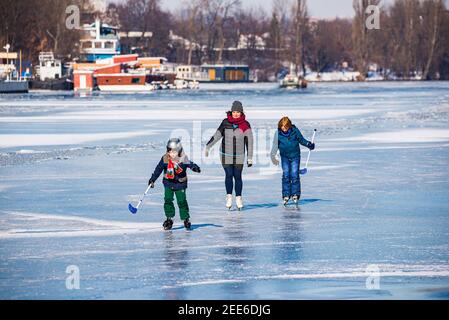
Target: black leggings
{"type": "Point", "coordinates": [233, 172]}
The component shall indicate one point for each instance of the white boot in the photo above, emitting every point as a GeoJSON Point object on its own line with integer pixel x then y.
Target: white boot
{"type": "Point", "coordinates": [229, 201]}
{"type": "Point", "coordinates": [239, 202]}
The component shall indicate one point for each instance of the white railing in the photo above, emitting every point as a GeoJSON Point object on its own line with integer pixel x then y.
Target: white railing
{"type": "Point", "coordinates": [45, 56]}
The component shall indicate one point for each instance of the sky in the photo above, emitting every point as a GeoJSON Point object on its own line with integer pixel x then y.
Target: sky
{"type": "Point", "coordinates": [317, 8]}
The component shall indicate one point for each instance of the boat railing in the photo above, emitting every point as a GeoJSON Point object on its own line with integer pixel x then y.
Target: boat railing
{"type": "Point", "coordinates": [45, 56]}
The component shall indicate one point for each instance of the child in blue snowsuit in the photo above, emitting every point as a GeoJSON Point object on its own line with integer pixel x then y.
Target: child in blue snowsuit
{"type": "Point", "coordinates": [287, 140]}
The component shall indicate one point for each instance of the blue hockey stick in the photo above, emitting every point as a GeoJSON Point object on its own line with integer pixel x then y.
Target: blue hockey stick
{"type": "Point", "coordinates": [304, 171]}
{"type": "Point", "coordinates": [132, 209]}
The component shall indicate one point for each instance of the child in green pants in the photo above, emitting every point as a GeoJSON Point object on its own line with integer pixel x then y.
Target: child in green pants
{"type": "Point", "coordinates": [174, 164]}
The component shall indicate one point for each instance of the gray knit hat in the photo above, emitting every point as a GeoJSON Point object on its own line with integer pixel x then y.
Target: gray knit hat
{"type": "Point", "coordinates": [237, 106]}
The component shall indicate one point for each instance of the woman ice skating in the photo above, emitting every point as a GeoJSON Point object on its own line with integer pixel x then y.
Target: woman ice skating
{"type": "Point", "coordinates": [287, 140]}
{"type": "Point", "coordinates": [174, 164]}
{"type": "Point", "coordinates": [236, 135]}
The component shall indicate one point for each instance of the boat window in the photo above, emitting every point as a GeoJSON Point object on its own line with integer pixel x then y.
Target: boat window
{"type": "Point", "coordinates": [107, 31]}
{"type": "Point", "coordinates": [97, 45]}
{"type": "Point", "coordinates": [135, 80]}
{"type": "Point", "coordinates": [87, 44]}
{"type": "Point", "coordinates": [109, 45]}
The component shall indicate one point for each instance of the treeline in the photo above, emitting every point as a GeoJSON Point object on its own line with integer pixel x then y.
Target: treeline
{"type": "Point", "coordinates": [40, 25]}
{"type": "Point", "coordinates": [412, 38]}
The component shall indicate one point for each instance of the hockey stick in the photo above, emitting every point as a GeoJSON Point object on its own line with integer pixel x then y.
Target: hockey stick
{"type": "Point", "coordinates": [304, 171]}
{"type": "Point", "coordinates": [132, 209]}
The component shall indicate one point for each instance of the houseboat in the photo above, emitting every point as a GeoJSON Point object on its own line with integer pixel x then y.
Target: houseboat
{"type": "Point", "coordinates": [13, 86]}
{"type": "Point", "coordinates": [135, 82]}
{"type": "Point", "coordinates": [50, 74]}
{"type": "Point", "coordinates": [128, 73]}
{"type": "Point", "coordinates": [226, 73]}
{"type": "Point", "coordinates": [113, 74]}
{"type": "Point", "coordinates": [99, 41]}
{"type": "Point", "coordinates": [213, 73]}
{"type": "Point", "coordinates": [10, 79]}
{"type": "Point", "coordinates": [191, 73]}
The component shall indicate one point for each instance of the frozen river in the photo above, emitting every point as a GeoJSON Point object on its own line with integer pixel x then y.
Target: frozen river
{"type": "Point", "coordinates": [373, 221]}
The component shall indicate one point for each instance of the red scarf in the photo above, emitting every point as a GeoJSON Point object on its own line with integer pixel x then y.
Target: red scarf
{"type": "Point", "coordinates": [172, 167]}
{"type": "Point", "coordinates": [241, 121]}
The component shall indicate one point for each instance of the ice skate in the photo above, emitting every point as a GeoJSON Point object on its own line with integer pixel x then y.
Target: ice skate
{"type": "Point", "coordinates": [187, 224]}
{"type": "Point", "coordinates": [168, 224]}
{"type": "Point", "coordinates": [296, 201]}
{"type": "Point", "coordinates": [229, 201]}
{"type": "Point", "coordinates": [239, 202]}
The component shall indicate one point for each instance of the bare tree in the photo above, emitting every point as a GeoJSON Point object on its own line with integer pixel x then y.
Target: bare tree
{"type": "Point", "coordinates": [360, 33]}
{"type": "Point", "coordinates": [146, 16]}
{"type": "Point", "coordinates": [300, 26]}
{"type": "Point", "coordinates": [193, 9]}
{"type": "Point", "coordinates": [274, 42]}
{"type": "Point", "coordinates": [218, 12]}
{"type": "Point", "coordinates": [412, 39]}
{"type": "Point", "coordinates": [252, 28]}
{"type": "Point", "coordinates": [435, 8]}
{"type": "Point", "coordinates": [330, 44]}
{"type": "Point", "coordinates": [44, 30]}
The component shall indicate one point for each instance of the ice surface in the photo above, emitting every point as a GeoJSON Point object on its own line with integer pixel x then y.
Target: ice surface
{"type": "Point", "coordinates": [376, 194]}
{"type": "Point", "coordinates": [17, 140]}
{"type": "Point", "coordinates": [408, 135]}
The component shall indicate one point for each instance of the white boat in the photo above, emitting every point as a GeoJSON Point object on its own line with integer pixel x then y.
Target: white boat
{"type": "Point", "coordinates": [49, 68]}
{"type": "Point", "coordinates": [180, 84]}
{"type": "Point", "coordinates": [292, 81]}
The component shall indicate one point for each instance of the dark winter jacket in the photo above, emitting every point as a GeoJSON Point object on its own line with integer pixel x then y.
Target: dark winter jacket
{"type": "Point", "coordinates": [234, 142]}
{"type": "Point", "coordinates": [180, 180]}
{"type": "Point", "coordinates": [288, 143]}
